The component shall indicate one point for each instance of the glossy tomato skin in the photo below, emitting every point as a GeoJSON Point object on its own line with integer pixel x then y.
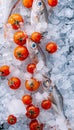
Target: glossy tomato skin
{"type": "Point", "coordinates": [15, 20]}
{"type": "Point", "coordinates": [52, 3]}
{"type": "Point", "coordinates": [46, 104]}
{"type": "Point", "coordinates": [27, 99]}
{"type": "Point", "coordinates": [11, 120]}
{"type": "Point", "coordinates": [20, 38]}
{"type": "Point", "coordinates": [31, 67]}
{"type": "Point", "coordinates": [21, 53]}
{"type": "Point", "coordinates": [4, 70]}
{"type": "Point", "coordinates": [35, 125]}
{"type": "Point", "coordinates": [32, 111]}
{"type": "Point", "coordinates": [51, 47]}
{"type": "Point", "coordinates": [27, 3]}
{"type": "Point", "coordinates": [36, 37]}
{"type": "Point", "coordinates": [14, 83]}
{"type": "Point", "coordinates": [32, 84]}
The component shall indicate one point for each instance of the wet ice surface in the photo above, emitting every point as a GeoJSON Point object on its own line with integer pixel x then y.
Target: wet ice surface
{"type": "Point", "coordinates": [60, 30]}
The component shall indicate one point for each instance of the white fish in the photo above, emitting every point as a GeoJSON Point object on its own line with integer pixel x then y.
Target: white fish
{"type": "Point", "coordinates": [57, 103]}
{"type": "Point", "coordinates": [35, 51]}
{"type": "Point", "coordinates": [39, 13]}
{"type": "Point", "coordinates": [8, 7]}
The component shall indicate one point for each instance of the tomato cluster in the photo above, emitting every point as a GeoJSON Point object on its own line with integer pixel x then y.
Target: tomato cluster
{"type": "Point", "coordinates": [21, 53]}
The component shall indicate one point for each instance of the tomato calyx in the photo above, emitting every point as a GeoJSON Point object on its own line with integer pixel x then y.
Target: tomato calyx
{"type": "Point", "coordinates": [19, 55]}
{"type": "Point", "coordinates": [31, 112]}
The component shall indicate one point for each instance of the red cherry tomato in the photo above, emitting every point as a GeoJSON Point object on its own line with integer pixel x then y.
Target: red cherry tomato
{"type": "Point", "coordinates": [4, 70]}
{"type": "Point", "coordinates": [27, 99]}
{"type": "Point", "coordinates": [52, 3]}
{"type": "Point", "coordinates": [14, 83]}
{"type": "Point", "coordinates": [46, 104]}
{"type": "Point", "coordinates": [31, 67]}
{"type": "Point", "coordinates": [11, 119]}
{"type": "Point", "coordinates": [35, 125]}
{"type": "Point", "coordinates": [36, 37]}
{"type": "Point", "coordinates": [51, 47]}
{"type": "Point", "coordinates": [32, 111]}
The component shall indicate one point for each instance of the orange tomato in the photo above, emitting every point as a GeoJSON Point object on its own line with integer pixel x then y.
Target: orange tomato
{"type": "Point", "coordinates": [27, 3]}
{"type": "Point", "coordinates": [32, 84]}
{"type": "Point", "coordinates": [11, 119]}
{"type": "Point", "coordinates": [51, 47]}
{"type": "Point", "coordinates": [15, 20]}
{"type": "Point", "coordinates": [52, 2]}
{"type": "Point", "coordinates": [46, 104]}
{"type": "Point", "coordinates": [20, 38]}
{"type": "Point", "coordinates": [14, 83]}
{"type": "Point", "coordinates": [31, 67]}
{"type": "Point", "coordinates": [36, 37]}
{"type": "Point", "coordinates": [4, 70]}
{"type": "Point", "coordinates": [35, 125]}
{"type": "Point", "coordinates": [27, 99]}
{"type": "Point", "coordinates": [32, 111]}
{"type": "Point", "coordinates": [21, 53]}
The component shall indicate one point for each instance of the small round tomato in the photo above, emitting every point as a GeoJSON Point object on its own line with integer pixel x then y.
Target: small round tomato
{"type": "Point", "coordinates": [27, 3]}
{"type": "Point", "coordinates": [51, 47]}
{"type": "Point", "coordinates": [46, 104]}
{"type": "Point", "coordinates": [11, 119]}
{"type": "Point", "coordinates": [32, 111]}
{"type": "Point", "coordinates": [4, 70]}
{"type": "Point", "coordinates": [31, 67]}
{"type": "Point", "coordinates": [52, 3]}
{"type": "Point", "coordinates": [20, 38]}
{"type": "Point", "coordinates": [35, 125]}
{"type": "Point", "coordinates": [27, 99]}
{"type": "Point", "coordinates": [32, 84]}
{"type": "Point", "coordinates": [15, 20]}
{"type": "Point", "coordinates": [36, 37]}
{"type": "Point", "coordinates": [14, 83]}
{"type": "Point", "coordinates": [21, 53]}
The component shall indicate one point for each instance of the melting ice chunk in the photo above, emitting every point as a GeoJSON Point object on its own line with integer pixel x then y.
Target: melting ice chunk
{"type": "Point", "coordinates": [16, 107]}
{"type": "Point", "coordinates": [40, 65]}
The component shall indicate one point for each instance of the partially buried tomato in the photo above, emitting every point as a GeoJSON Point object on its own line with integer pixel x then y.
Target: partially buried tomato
{"type": "Point", "coordinates": [4, 70]}
{"type": "Point", "coordinates": [21, 53]}
{"type": "Point", "coordinates": [35, 125]}
{"type": "Point", "coordinates": [36, 37]}
{"type": "Point", "coordinates": [52, 3]}
{"type": "Point", "coordinates": [27, 3]}
{"type": "Point", "coordinates": [27, 99]}
{"type": "Point", "coordinates": [46, 104]}
{"type": "Point", "coordinates": [11, 119]}
{"type": "Point", "coordinates": [31, 67]}
{"type": "Point", "coordinates": [20, 38]}
{"type": "Point", "coordinates": [15, 20]}
{"type": "Point", "coordinates": [14, 83]}
{"type": "Point", "coordinates": [51, 47]}
{"type": "Point", "coordinates": [32, 111]}
{"type": "Point", "coordinates": [32, 84]}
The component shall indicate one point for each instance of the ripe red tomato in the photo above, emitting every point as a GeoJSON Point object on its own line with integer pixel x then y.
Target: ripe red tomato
{"type": "Point", "coordinates": [21, 53]}
{"type": "Point", "coordinates": [27, 99]}
{"type": "Point", "coordinates": [11, 119]}
{"type": "Point", "coordinates": [46, 104]}
{"type": "Point", "coordinates": [52, 3]}
{"type": "Point", "coordinates": [31, 67]}
{"type": "Point", "coordinates": [14, 83]}
{"type": "Point", "coordinates": [32, 84]}
{"type": "Point", "coordinates": [36, 37]}
{"type": "Point", "coordinates": [4, 70]}
{"type": "Point", "coordinates": [20, 38]}
{"type": "Point", "coordinates": [27, 3]}
{"type": "Point", "coordinates": [15, 20]}
{"type": "Point", "coordinates": [51, 47]}
{"type": "Point", "coordinates": [35, 125]}
{"type": "Point", "coordinates": [32, 111]}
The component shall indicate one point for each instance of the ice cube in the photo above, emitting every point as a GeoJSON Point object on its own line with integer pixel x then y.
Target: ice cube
{"type": "Point", "coordinates": [16, 107]}
{"type": "Point", "coordinates": [38, 97]}
{"type": "Point", "coordinates": [38, 76]}
{"type": "Point", "coordinates": [45, 95]}
{"type": "Point", "coordinates": [27, 76]}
